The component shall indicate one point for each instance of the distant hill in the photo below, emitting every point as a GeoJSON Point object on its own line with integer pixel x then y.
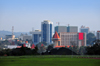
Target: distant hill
{"type": "Point", "coordinates": [3, 33]}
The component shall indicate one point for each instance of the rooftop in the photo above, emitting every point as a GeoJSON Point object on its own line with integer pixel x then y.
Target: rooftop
{"type": "Point", "coordinates": [56, 35]}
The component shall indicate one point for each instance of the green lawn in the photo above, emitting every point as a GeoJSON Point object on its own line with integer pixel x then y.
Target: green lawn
{"type": "Point", "coordinates": [48, 61]}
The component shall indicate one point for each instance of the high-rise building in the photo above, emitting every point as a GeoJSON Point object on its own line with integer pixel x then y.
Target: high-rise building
{"type": "Point", "coordinates": [36, 36]}
{"type": "Point", "coordinates": [84, 29]}
{"type": "Point", "coordinates": [46, 31]}
{"type": "Point", "coordinates": [61, 29]}
{"type": "Point", "coordinates": [66, 29]}
{"type": "Point", "coordinates": [98, 35]}
{"type": "Point", "coordinates": [72, 29]}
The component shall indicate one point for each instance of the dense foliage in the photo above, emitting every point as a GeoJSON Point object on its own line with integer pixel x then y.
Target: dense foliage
{"type": "Point", "coordinates": [49, 50]}
{"type": "Point", "coordinates": [95, 49]}
{"type": "Point", "coordinates": [90, 38]}
{"type": "Point", "coordinates": [19, 51]}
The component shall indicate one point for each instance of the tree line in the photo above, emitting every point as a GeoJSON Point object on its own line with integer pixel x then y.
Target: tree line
{"type": "Point", "coordinates": [49, 50]}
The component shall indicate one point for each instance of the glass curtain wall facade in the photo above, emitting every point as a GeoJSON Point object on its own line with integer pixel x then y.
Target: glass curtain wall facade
{"type": "Point", "coordinates": [85, 30]}
{"type": "Point", "coordinates": [46, 31]}
{"type": "Point", "coordinates": [35, 38]}
{"type": "Point", "coordinates": [60, 29]}
{"type": "Point", "coordinates": [66, 29]}
{"type": "Point", "coordinates": [50, 33]}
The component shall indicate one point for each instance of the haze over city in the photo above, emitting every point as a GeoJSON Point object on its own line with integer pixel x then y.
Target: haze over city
{"type": "Point", "coordinates": [49, 32]}
{"type": "Point", "coordinates": [26, 14]}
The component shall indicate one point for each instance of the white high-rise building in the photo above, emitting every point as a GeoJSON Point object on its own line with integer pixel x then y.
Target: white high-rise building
{"type": "Point", "coordinates": [36, 36]}
{"type": "Point", "coordinates": [46, 31]}
{"type": "Point", "coordinates": [84, 29]}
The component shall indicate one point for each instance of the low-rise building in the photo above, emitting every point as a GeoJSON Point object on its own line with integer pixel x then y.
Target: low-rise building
{"type": "Point", "coordinates": [36, 36]}
{"type": "Point", "coordinates": [9, 37]}
{"type": "Point", "coordinates": [24, 37]}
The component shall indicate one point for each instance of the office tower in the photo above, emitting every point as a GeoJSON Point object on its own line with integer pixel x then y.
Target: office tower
{"type": "Point", "coordinates": [67, 38]}
{"type": "Point", "coordinates": [98, 35]}
{"type": "Point", "coordinates": [66, 29]}
{"type": "Point", "coordinates": [84, 29]}
{"type": "Point", "coordinates": [60, 29]}
{"type": "Point", "coordinates": [46, 31]}
{"type": "Point", "coordinates": [72, 39]}
{"type": "Point", "coordinates": [72, 29]}
{"type": "Point", "coordinates": [36, 36]}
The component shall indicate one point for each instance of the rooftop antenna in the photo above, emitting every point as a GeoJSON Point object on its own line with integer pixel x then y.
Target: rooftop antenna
{"type": "Point", "coordinates": [58, 23]}
{"type": "Point", "coordinates": [68, 24]}
{"type": "Point", "coordinates": [33, 29]}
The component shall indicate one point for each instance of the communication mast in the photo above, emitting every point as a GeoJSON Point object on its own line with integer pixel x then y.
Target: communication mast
{"type": "Point", "coordinates": [32, 29]}
{"type": "Point", "coordinates": [58, 23]}
{"type": "Point", "coordinates": [68, 24]}
{"type": "Point", "coordinates": [12, 30]}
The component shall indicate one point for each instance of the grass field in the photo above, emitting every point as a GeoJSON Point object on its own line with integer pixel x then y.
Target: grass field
{"type": "Point", "coordinates": [47, 60]}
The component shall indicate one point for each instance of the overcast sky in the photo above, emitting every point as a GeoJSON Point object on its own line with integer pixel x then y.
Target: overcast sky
{"type": "Point", "coordinates": [26, 14]}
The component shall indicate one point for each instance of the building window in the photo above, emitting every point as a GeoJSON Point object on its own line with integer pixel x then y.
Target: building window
{"type": "Point", "coordinates": [35, 38]}
{"type": "Point", "coordinates": [44, 32]}
{"type": "Point", "coordinates": [50, 33]}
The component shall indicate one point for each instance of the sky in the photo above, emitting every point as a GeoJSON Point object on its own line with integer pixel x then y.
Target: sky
{"type": "Point", "coordinates": [27, 14]}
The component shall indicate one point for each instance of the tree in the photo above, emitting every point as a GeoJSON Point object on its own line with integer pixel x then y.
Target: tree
{"type": "Point", "coordinates": [90, 38]}
{"type": "Point", "coordinates": [50, 47]}
{"type": "Point", "coordinates": [74, 48]}
{"type": "Point", "coordinates": [82, 50]}
{"type": "Point", "coordinates": [41, 48]}
{"type": "Point", "coordinates": [97, 41]}
{"type": "Point", "coordinates": [95, 49]}
{"type": "Point", "coordinates": [43, 43]}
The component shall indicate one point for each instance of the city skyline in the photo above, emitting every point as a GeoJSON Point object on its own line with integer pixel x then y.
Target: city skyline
{"type": "Point", "coordinates": [26, 14]}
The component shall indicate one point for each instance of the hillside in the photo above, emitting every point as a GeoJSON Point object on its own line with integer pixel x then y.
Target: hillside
{"type": "Point", "coordinates": [3, 33]}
